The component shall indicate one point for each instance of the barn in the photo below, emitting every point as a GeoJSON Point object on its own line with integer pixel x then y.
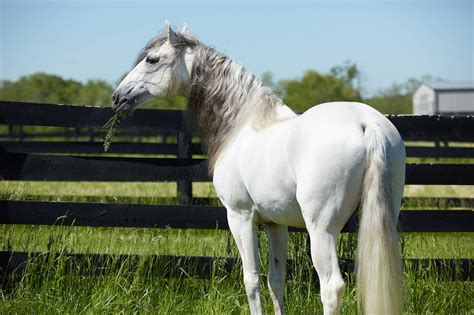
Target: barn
{"type": "Point", "coordinates": [444, 98]}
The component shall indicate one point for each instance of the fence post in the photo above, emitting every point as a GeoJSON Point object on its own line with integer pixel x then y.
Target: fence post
{"type": "Point", "coordinates": [185, 188]}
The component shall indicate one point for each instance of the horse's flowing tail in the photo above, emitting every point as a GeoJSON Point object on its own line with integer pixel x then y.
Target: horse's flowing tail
{"type": "Point", "coordinates": [378, 260]}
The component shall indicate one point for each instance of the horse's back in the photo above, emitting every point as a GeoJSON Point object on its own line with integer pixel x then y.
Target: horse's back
{"type": "Point", "coordinates": [338, 125]}
{"type": "Point", "coordinates": [337, 117]}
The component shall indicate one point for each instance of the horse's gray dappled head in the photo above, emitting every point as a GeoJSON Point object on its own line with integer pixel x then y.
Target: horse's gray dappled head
{"type": "Point", "coordinates": [161, 70]}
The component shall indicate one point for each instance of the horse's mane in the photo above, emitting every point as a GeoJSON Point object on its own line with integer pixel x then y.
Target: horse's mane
{"type": "Point", "coordinates": [222, 95]}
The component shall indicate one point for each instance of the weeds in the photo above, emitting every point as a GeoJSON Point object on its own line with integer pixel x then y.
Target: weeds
{"type": "Point", "coordinates": [111, 126]}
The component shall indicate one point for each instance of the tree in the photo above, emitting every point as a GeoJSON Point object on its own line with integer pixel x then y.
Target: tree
{"type": "Point", "coordinates": [95, 92]}
{"type": "Point", "coordinates": [316, 88]}
{"type": "Point", "coordinates": [46, 88]}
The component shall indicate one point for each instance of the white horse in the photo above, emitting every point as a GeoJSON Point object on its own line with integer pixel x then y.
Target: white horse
{"type": "Point", "coordinates": [273, 167]}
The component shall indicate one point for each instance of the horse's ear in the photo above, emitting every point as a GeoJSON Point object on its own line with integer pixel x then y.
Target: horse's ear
{"type": "Point", "coordinates": [171, 34]}
{"type": "Point", "coordinates": [185, 30]}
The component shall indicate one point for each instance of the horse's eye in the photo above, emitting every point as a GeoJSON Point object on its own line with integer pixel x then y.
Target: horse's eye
{"type": "Point", "coordinates": [152, 60]}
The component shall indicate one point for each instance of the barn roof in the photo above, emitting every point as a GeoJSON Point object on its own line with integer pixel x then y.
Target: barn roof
{"type": "Point", "coordinates": [451, 86]}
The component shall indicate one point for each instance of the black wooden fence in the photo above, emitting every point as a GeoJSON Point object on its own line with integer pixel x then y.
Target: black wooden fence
{"type": "Point", "coordinates": [46, 160]}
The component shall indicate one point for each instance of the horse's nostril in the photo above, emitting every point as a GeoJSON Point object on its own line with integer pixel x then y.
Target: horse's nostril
{"type": "Point", "coordinates": [121, 101]}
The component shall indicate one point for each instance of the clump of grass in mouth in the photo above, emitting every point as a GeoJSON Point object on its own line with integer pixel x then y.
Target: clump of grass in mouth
{"type": "Point", "coordinates": [111, 126]}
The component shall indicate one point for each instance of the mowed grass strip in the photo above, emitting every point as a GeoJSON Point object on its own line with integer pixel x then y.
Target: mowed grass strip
{"type": "Point", "coordinates": [126, 189]}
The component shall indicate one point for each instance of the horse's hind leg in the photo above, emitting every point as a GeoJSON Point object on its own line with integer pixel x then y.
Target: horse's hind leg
{"type": "Point", "coordinates": [278, 239]}
{"type": "Point", "coordinates": [324, 226]}
{"type": "Point", "coordinates": [244, 229]}
{"type": "Point", "coordinates": [323, 254]}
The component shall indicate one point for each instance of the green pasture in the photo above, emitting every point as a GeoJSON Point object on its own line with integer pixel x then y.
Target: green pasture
{"type": "Point", "coordinates": [46, 287]}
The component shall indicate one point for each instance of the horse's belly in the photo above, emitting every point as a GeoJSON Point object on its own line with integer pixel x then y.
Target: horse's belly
{"type": "Point", "coordinates": [273, 198]}
{"type": "Point", "coordinates": [280, 210]}
{"type": "Point", "coordinates": [269, 191]}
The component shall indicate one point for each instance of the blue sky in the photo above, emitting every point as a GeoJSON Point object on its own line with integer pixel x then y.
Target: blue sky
{"type": "Point", "coordinates": [390, 41]}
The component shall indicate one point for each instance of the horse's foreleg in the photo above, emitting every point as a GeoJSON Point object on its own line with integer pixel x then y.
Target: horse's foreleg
{"type": "Point", "coordinates": [244, 229]}
{"type": "Point", "coordinates": [278, 238]}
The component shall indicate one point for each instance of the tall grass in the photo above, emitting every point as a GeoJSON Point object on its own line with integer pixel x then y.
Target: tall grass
{"type": "Point", "coordinates": [47, 284]}
{"type": "Point", "coordinates": [144, 286]}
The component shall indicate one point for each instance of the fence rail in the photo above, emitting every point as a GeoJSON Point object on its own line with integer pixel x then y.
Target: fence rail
{"type": "Point", "coordinates": [86, 147]}
{"type": "Point", "coordinates": [21, 166]}
{"type": "Point", "coordinates": [194, 217]}
{"type": "Point", "coordinates": [411, 127]}
{"type": "Point", "coordinates": [88, 117]}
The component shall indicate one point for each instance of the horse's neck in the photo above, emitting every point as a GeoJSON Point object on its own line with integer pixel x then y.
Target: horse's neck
{"type": "Point", "coordinates": [224, 98]}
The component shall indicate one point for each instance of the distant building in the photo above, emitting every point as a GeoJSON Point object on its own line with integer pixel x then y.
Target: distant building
{"type": "Point", "coordinates": [444, 98]}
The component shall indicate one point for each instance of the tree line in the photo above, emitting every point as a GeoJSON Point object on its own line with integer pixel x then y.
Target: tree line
{"type": "Point", "coordinates": [341, 82]}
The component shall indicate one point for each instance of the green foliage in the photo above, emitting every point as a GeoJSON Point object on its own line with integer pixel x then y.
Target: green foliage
{"type": "Point", "coordinates": [46, 88]}
{"type": "Point", "coordinates": [95, 92]}
{"type": "Point", "coordinates": [396, 104]}
{"type": "Point", "coordinates": [397, 99]}
{"type": "Point", "coordinates": [111, 127]}
{"type": "Point", "coordinates": [316, 88]}
{"type": "Point", "coordinates": [342, 83]}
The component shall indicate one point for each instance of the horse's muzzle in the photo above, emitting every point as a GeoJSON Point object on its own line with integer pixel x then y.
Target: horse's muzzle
{"type": "Point", "coordinates": [122, 104]}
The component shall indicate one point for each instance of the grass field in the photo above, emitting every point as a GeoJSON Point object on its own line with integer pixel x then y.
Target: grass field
{"type": "Point", "coordinates": [46, 287]}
